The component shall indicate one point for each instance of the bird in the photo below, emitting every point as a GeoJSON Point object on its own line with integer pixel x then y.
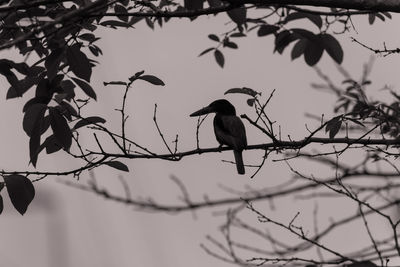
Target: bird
{"type": "Point", "coordinates": [228, 128]}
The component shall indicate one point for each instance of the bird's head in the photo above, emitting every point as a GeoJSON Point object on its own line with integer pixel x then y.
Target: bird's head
{"type": "Point", "coordinates": [221, 106]}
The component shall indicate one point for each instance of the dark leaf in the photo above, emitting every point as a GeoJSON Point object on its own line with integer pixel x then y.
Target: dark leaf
{"type": "Point", "coordinates": [79, 63]}
{"type": "Point", "coordinates": [250, 101]}
{"type": "Point", "coordinates": [21, 191]}
{"type": "Point", "coordinates": [23, 86]}
{"type": "Point", "coordinates": [387, 14]}
{"type": "Point", "coordinates": [16, 88]}
{"type": "Point", "coordinates": [302, 33]}
{"type": "Point", "coordinates": [85, 88]}
{"type": "Point", "coordinates": [206, 51]}
{"type": "Point", "coordinates": [362, 264]}
{"type": "Point", "coordinates": [88, 121]}
{"type": "Point", "coordinates": [115, 24]}
{"type": "Point", "coordinates": [238, 15]}
{"type": "Point", "coordinates": [371, 18]}
{"type": "Point", "coordinates": [40, 126]}
{"type": "Point", "coordinates": [283, 39]}
{"type": "Point", "coordinates": [53, 61]}
{"type": "Point", "coordinates": [1, 204]}
{"type": "Point", "coordinates": [33, 112]}
{"type": "Point", "coordinates": [313, 53]}
{"type": "Point", "coordinates": [193, 4]}
{"type": "Point", "coordinates": [121, 10]}
{"type": "Point", "coordinates": [115, 83]}
{"type": "Point", "coordinates": [60, 128]}
{"type": "Point", "coordinates": [380, 16]}
{"type": "Point", "coordinates": [238, 34]}
{"type": "Point", "coordinates": [22, 68]}
{"type": "Point", "coordinates": [149, 23]}
{"type": "Point", "coordinates": [134, 20]}
{"type": "Point", "coordinates": [213, 37]}
{"type": "Point", "coordinates": [51, 144]}
{"type": "Point", "coordinates": [299, 48]}
{"type": "Point", "coordinates": [332, 47]}
{"type": "Point", "coordinates": [230, 44]}
{"type": "Point", "coordinates": [214, 3]}
{"type": "Point", "coordinates": [243, 90]}
{"type": "Point", "coordinates": [333, 126]}
{"type": "Point", "coordinates": [356, 122]}
{"type": "Point", "coordinates": [117, 165]}
{"type": "Point", "coordinates": [90, 37]}
{"type": "Point", "coordinates": [94, 51]}
{"type": "Point", "coordinates": [316, 19]}
{"type": "Point", "coordinates": [265, 30]}
{"type": "Point", "coordinates": [68, 89]}
{"type": "Point", "coordinates": [219, 57]}
{"type": "Point", "coordinates": [67, 110]}
{"type": "Point", "coordinates": [152, 79]}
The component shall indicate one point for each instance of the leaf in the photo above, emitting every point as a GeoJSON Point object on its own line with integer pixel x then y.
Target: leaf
{"type": "Point", "coordinates": [88, 121]}
{"type": "Point", "coordinates": [356, 122]}
{"type": "Point", "coordinates": [316, 19]}
{"type": "Point", "coordinates": [238, 15]}
{"type": "Point", "coordinates": [238, 34]}
{"type": "Point", "coordinates": [21, 191]}
{"type": "Point", "coordinates": [206, 51]}
{"type": "Point", "coordinates": [213, 37]}
{"type": "Point", "coordinates": [51, 144]}
{"type": "Point", "coordinates": [250, 101]}
{"type": "Point", "coordinates": [115, 24]}
{"type": "Point", "coordinates": [53, 61]}
{"type": "Point", "coordinates": [362, 264]}
{"type": "Point", "coordinates": [219, 57]}
{"type": "Point", "coordinates": [387, 14]}
{"type": "Point", "coordinates": [230, 44]}
{"type": "Point", "coordinates": [333, 126]}
{"type": "Point", "coordinates": [215, 3]}
{"type": "Point", "coordinates": [371, 18]}
{"type": "Point", "coordinates": [67, 110]}
{"type": "Point", "coordinates": [34, 141]}
{"type": "Point", "coordinates": [23, 86]}
{"type": "Point", "coordinates": [1, 204]}
{"type": "Point", "coordinates": [79, 63]}
{"type": "Point", "coordinates": [85, 88]}
{"type": "Point", "coordinates": [121, 10]}
{"type": "Point", "coordinates": [265, 30]}
{"type": "Point", "coordinates": [115, 83]}
{"type": "Point", "coordinates": [243, 90]}
{"type": "Point", "coordinates": [193, 4]}
{"type": "Point", "coordinates": [68, 88]}
{"type": "Point", "coordinates": [302, 33]}
{"type": "Point", "coordinates": [90, 37]}
{"type": "Point", "coordinates": [117, 165]}
{"type": "Point", "coordinates": [152, 79]}
{"type": "Point", "coordinates": [31, 114]}
{"type": "Point", "coordinates": [60, 128]}
{"type": "Point", "coordinates": [332, 47]}
{"type": "Point", "coordinates": [313, 53]}
{"type": "Point", "coordinates": [283, 39]}
{"type": "Point", "coordinates": [299, 48]}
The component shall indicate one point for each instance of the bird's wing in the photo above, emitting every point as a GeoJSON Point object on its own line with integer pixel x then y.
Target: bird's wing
{"type": "Point", "coordinates": [230, 131]}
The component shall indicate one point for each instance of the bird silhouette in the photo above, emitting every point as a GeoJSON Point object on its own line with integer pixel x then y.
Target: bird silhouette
{"type": "Point", "coordinates": [228, 128]}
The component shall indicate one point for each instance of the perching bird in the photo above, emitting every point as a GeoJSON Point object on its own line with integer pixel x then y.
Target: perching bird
{"type": "Point", "coordinates": [228, 128]}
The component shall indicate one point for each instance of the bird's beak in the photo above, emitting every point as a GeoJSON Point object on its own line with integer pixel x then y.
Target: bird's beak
{"type": "Point", "coordinates": [202, 111]}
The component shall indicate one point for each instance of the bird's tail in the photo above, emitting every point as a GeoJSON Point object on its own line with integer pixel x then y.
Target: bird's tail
{"type": "Point", "coordinates": [239, 161]}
